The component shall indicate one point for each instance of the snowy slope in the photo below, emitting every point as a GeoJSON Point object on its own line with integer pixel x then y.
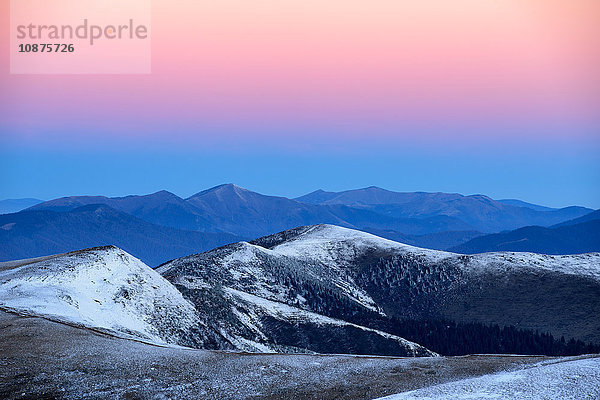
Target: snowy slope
{"type": "Point", "coordinates": [251, 308]}
{"type": "Point", "coordinates": [251, 267]}
{"type": "Point", "coordinates": [558, 294]}
{"type": "Point", "coordinates": [569, 378]}
{"type": "Point", "coordinates": [263, 300]}
{"type": "Point", "coordinates": [351, 276]}
{"type": "Point", "coordinates": [103, 288]}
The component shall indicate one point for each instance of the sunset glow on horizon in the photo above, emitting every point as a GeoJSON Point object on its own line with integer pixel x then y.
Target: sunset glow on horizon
{"type": "Point", "coordinates": [299, 74]}
{"type": "Point", "coordinates": [352, 67]}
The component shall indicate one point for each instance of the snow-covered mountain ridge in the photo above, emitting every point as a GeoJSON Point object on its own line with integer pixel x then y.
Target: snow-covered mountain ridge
{"type": "Point", "coordinates": [320, 288]}
{"type": "Point", "coordinates": [103, 288]}
{"type": "Point", "coordinates": [107, 289]}
{"type": "Point", "coordinates": [343, 273]}
{"type": "Point", "coordinates": [257, 295]}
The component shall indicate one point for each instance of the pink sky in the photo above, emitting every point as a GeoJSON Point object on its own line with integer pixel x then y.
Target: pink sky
{"type": "Point", "coordinates": [427, 69]}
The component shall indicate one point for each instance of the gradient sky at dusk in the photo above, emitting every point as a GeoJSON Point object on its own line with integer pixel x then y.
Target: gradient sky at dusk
{"type": "Point", "coordinates": [500, 97]}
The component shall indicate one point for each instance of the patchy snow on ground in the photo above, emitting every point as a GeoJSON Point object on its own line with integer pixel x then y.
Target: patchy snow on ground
{"type": "Point", "coordinates": [99, 288]}
{"type": "Point", "coordinates": [568, 378]}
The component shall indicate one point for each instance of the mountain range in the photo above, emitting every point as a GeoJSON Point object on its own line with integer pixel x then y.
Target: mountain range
{"type": "Point", "coordinates": [161, 226]}
{"type": "Point", "coordinates": [108, 290]}
{"type": "Point", "coordinates": [478, 212]}
{"type": "Point", "coordinates": [323, 289]}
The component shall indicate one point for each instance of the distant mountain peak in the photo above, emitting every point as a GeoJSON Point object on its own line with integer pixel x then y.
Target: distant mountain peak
{"type": "Point", "coordinates": [374, 188]}
{"type": "Point", "coordinates": [230, 186]}
{"type": "Point", "coordinates": [233, 187]}
{"type": "Point", "coordinates": [225, 188]}
{"type": "Point", "coordinates": [164, 193]}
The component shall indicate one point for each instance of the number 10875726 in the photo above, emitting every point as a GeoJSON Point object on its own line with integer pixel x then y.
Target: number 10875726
{"type": "Point", "coordinates": [46, 48]}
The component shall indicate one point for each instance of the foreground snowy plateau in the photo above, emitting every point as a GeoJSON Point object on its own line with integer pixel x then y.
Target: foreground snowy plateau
{"type": "Point", "coordinates": [316, 290]}
{"type": "Point", "coordinates": [41, 359]}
